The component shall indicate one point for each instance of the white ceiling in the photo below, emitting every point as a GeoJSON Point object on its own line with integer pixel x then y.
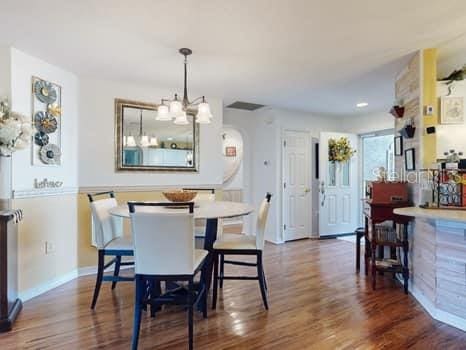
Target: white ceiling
{"type": "Point", "coordinates": [312, 55]}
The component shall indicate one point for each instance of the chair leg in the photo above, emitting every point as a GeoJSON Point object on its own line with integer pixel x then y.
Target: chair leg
{"type": "Point", "coordinates": [265, 279]}
{"type": "Point", "coordinates": [190, 315]}
{"type": "Point", "coordinates": [358, 252]}
{"type": "Point", "coordinates": [155, 290]}
{"type": "Point", "coordinates": [139, 295]}
{"type": "Point", "coordinates": [260, 275]}
{"type": "Point", "coordinates": [215, 286]}
{"type": "Point", "coordinates": [116, 272]}
{"type": "Point", "coordinates": [222, 269]}
{"type": "Point", "coordinates": [100, 275]}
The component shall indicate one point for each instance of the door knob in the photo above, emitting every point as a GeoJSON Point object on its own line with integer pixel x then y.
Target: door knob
{"type": "Point", "coordinates": [307, 190]}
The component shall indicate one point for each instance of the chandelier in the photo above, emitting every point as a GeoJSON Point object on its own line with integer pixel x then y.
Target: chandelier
{"type": "Point", "coordinates": [143, 140]}
{"type": "Point", "coordinates": [176, 109]}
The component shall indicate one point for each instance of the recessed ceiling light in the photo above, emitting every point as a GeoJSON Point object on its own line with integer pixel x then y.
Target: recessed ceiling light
{"type": "Point", "coordinates": [362, 104]}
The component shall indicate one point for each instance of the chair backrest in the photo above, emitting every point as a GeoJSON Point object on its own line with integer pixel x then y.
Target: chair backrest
{"type": "Point", "coordinates": [203, 194]}
{"type": "Point", "coordinates": [163, 242]}
{"type": "Point", "coordinates": [105, 227]}
{"type": "Point", "coordinates": [262, 220]}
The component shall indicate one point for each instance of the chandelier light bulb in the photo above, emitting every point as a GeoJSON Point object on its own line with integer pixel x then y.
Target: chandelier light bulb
{"type": "Point", "coordinates": [153, 141]}
{"type": "Point", "coordinates": [163, 113]}
{"type": "Point", "coordinates": [203, 115]}
{"type": "Point", "coordinates": [181, 119]}
{"type": "Point", "coordinates": [176, 108]}
{"type": "Point", "coordinates": [144, 141]}
{"type": "Point", "coordinates": [130, 141]}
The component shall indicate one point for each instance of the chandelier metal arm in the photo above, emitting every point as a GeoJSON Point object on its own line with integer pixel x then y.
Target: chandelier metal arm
{"type": "Point", "coordinates": [185, 91]}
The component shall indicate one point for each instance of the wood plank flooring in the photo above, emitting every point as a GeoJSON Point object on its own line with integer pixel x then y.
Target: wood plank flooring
{"type": "Point", "coordinates": [316, 301]}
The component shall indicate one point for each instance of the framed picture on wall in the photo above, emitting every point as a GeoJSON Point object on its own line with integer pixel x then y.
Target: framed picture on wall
{"type": "Point", "coordinates": [230, 151]}
{"type": "Point", "coordinates": [398, 145]}
{"type": "Point", "coordinates": [451, 110]}
{"type": "Point", "coordinates": [410, 161]}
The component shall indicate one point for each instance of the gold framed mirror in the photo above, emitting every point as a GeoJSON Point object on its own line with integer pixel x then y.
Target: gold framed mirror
{"type": "Point", "coordinates": [143, 143]}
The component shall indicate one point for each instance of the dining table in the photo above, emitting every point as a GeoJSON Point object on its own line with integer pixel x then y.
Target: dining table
{"type": "Point", "coordinates": [211, 211]}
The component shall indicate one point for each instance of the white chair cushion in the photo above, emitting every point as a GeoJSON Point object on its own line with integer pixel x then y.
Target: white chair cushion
{"type": "Point", "coordinates": [199, 231]}
{"type": "Point", "coordinates": [235, 241]}
{"type": "Point", "coordinates": [199, 256]}
{"type": "Point", "coordinates": [121, 243]}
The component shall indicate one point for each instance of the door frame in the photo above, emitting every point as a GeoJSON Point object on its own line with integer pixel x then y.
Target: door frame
{"type": "Point", "coordinates": [361, 189]}
{"type": "Point", "coordinates": [282, 181]}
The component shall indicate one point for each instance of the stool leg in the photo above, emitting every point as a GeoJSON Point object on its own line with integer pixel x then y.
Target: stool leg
{"type": "Point", "coordinates": [215, 286]}
{"type": "Point", "coordinates": [222, 269]}
{"type": "Point", "coordinates": [358, 252]}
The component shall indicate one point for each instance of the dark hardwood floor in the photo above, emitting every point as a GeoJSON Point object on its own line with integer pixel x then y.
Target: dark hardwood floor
{"type": "Point", "coordinates": [316, 301]}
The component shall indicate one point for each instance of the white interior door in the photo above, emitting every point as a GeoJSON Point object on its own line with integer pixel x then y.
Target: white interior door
{"type": "Point", "coordinates": [338, 191]}
{"type": "Point", "coordinates": [297, 215]}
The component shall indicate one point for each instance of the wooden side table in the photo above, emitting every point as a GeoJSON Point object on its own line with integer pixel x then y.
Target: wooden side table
{"type": "Point", "coordinates": [10, 305]}
{"type": "Point", "coordinates": [376, 213]}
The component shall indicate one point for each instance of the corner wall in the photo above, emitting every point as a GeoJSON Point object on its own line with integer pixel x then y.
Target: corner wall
{"type": "Point", "coordinates": [262, 133]}
{"type": "Point", "coordinates": [49, 215]}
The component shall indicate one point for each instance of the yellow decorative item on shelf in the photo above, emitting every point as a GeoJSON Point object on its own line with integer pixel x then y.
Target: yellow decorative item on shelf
{"type": "Point", "coordinates": [340, 150]}
{"type": "Point", "coordinates": [180, 196]}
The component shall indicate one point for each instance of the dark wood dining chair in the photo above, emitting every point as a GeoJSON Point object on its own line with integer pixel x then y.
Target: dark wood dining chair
{"type": "Point", "coordinates": [110, 240]}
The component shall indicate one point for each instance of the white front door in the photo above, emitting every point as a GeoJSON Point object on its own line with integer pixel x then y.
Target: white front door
{"type": "Point", "coordinates": [297, 213]}
{"type": "Point", "coordinates": [338, 190]}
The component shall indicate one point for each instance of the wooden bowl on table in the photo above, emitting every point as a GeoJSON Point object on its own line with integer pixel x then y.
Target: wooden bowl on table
{"type": "Point", "coordinates": [180, 196]}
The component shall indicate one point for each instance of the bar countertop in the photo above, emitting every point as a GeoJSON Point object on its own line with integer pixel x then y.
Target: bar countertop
{"type": "Point", "coordinates": [435, 214]}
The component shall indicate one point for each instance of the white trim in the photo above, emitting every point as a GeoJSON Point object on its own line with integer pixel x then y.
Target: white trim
{"type": "Point", "coordinates": [46, 192]}
{"type": "Point", "coordinates": [433, 311]}
{"type": "Point", "coordinates": [149, 188]}
{"type": "Point", "coordinates": [56, 282]}
{"type": "Point", "coordinates": [46, 286]}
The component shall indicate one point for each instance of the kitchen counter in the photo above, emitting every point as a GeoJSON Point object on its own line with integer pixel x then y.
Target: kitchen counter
{"type": "Point", "coordinates": [435, 214]}
{"type": "Point", "coordinates": [437, 241]}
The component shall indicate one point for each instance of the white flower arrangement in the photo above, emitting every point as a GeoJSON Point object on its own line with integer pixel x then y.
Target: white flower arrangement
{"type": "Point", "coordinates": [15, 130]}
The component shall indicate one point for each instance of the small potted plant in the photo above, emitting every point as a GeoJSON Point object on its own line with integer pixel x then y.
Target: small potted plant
{"type": "Point", "coordinates": [398, 110]}
{"type": "Point", "coordinates": [409, 129]}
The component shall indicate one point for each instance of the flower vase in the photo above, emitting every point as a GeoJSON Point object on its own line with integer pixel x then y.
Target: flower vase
{"type": "Point", "coordinates": [5, 182]}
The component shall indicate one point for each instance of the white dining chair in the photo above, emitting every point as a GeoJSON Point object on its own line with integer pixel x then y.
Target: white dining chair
{"type": "Point", "coordinates": [164, 251]}
{"type": "Point", "coordinates": [243, 245]}
{"type": "Point", "coordinates": [203, 195]}
{"type": "Point", "coordinates": [109, 239]}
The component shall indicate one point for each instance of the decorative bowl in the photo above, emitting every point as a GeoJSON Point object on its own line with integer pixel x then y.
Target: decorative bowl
{"type": "Point", "coordinates": [180, 196]}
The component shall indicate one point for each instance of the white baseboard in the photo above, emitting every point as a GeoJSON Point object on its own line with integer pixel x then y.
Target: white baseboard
{"type": "Point", "coordinates": [436, 313]}
{"type": "Point", "coordinates": [46, 286]}
{"type": "Point", "coordinates": [433, 311]}
{"type": "Point", "coordinates": [56, 282]}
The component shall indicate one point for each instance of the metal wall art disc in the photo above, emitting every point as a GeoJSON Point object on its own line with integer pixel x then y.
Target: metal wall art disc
{"type": "Point", "coordinates": [45, 92]}
{"type": "Point", "coordinates": [45, 122]}
{"type": "Point", "coordinates": [50, 154]}
{"type": "Point", "coordinates": [41, 138]}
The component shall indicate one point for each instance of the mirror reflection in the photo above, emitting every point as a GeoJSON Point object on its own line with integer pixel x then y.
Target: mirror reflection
{"type": "Point", "coordinates": [149, 144]}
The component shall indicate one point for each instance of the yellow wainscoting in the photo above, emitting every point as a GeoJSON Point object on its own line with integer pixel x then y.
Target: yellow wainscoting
{"type": "Point", "coordinates": [46, 219]}
{"type": "Point", "coordinates": [87, 254]}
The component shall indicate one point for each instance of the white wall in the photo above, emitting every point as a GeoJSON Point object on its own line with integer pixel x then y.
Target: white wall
{"type": "Point", "coordinates": [261, 132]}
{"type": "Point", "coordinates": [96, 138]}
{"type": "Point", "coordinates": [23, 68]}
{"type": "Point", "coordinates": [51, 219]}
{"type": "Point", "coordinates": [5, 72]}
{"type": "Point", "coordinates": [451, 136]}
{"type": "Point", "coordinates": [367, 123]}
